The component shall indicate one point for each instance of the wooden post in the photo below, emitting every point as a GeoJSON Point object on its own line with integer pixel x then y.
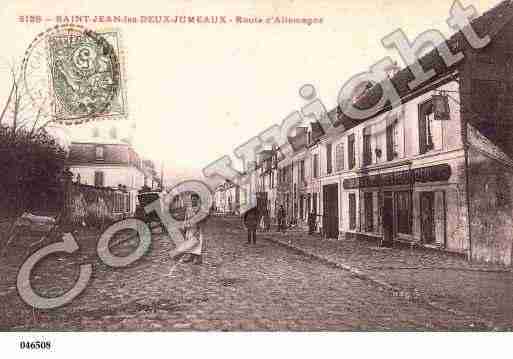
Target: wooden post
{"type": "Point", "coordinates": [67, 177]}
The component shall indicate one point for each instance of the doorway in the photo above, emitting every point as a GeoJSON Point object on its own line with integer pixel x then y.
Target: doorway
{"type": "Point", "coordinates": [330, 199]}
{"type": "Point", "coordinates": [388, 217]}
{"type": "Point", "coordinates": [427, 217]}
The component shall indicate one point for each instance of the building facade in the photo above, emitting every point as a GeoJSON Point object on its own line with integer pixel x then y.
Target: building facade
{"type": "Point", "coordinates": [435, 169]}
{"type": "Point", "coordinates": [227, 198]}
{"type": "Point", "coordinates": [400, 175]}
{"type": "Point", "coordinates": [112, 164]}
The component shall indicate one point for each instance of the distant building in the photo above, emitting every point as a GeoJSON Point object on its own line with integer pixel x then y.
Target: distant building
{"type": "Point", "coordinates": [110, 163]}
{"type": "Point", "coordinates": [227, 198]}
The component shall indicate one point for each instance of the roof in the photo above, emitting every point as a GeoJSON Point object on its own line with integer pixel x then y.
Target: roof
{"type": "Point", "coordinates": [265, 154]}
{"type": "Point", "coordinates": [317, 131]}
{"type": "Point", "coordinates": [489, 23]}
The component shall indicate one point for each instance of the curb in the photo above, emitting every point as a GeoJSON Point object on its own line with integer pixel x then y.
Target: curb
{"type": "Point", "coordinates": [395, 290]}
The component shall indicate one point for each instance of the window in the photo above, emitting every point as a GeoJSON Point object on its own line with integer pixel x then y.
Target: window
{"type": "Point", "coordinates": [316, 165]}
{"type": "Point", "coordinates": [430, 131]}
{"type": "Point", "coordinates": [350, 151]}
{"type": "Point", "coordinates": [99, 153]}
{"type": "Point", "coordinates": [96, 132]}
{"type": "Point", "coordinates": [403, 210]}
{"type": "Point", "coordinates": [369, 211]}
{"type": "Point", "coordinates": [99, 179]}
{"type": "Point", "coordinates": [329, 166]}
{"type": "Point", "coordinates": [367, 150]}
{"type": "Point", "coordinates": [391, 137]}
{"type": "Point", "coordinates": [339, 157]}
{"type": "Point", "coordinates": [113, 133]}
{"type": "Point", "coordinates": [302, 170]}
{"type": "Point", "coordinates": [352, 211]}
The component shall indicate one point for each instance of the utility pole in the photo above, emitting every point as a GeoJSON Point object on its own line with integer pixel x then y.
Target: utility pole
{"type": "Point", "coordinates": [162, 176]}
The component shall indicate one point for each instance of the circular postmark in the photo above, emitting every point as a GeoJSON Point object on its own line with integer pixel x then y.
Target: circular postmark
{"type": "Point", "coordinates": [72, 72]}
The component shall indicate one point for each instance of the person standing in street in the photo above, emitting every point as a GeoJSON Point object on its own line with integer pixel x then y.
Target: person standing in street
{"type": "Point", "coordinates": [251, 222]}
{"type": "Point", "coordinates": [267, 221]}
{"type": "Point", "coordinates": [281, 219]}
{"type": "Point", "coordinates": [190, 250]}
{"type": "Point", "coordinates": [311, 222]}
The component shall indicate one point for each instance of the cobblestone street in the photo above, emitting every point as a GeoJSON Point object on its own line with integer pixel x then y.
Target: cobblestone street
{"type": "Point", "coordinates": [239, 287]}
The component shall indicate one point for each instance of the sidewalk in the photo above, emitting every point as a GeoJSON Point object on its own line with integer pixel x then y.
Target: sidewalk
{"type": "Point", "coordinates": [439, 279]}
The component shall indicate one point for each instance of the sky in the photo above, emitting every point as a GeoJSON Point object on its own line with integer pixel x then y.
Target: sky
{"type": "Point", "coordinates": [196, 92]}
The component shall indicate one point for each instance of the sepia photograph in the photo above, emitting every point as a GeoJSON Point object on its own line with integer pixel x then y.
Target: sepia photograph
{"type": "Point", "coordinates": [296, 167]}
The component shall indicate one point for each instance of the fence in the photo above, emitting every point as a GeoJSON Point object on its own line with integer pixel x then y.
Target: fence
{"type": "Point", "coordinates": [95, 206]}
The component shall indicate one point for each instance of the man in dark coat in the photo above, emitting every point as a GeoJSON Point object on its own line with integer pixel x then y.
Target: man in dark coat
{"type": "Point", "coordinates": [281, 219]}
{"type": "Point", "coordinates": [311, 222]}
{"type": "Point", "coordinates": [251, 222]}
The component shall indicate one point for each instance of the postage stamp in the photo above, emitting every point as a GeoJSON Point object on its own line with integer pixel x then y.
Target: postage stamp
{"type": "Point", "coordinates": [76, 74]}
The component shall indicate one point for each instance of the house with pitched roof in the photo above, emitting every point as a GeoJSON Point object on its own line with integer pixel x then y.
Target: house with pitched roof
{"type": "Point", "coordinates": [106, 161]}
{"type": "Point", "coordinates": [436, 171]}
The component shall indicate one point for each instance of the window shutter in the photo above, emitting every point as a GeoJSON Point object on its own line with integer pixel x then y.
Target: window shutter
{"type": "Point", "coordinates": [390, 142]}
{"type": "Point", "coordinates": [350, 151]}
{"type": "Point", "coordinates": [339, 153]}
{"type": "Point", "coordinates": [422, 129]}
{"type": "Point", "coordinates": [367, 150]}
{"type": "Point", "coordinates": [440, 107]}
{"type": "Point", "coordinates": [329, 166]}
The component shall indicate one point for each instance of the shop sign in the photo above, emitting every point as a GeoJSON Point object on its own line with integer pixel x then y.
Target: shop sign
{"type": "Point", "coordinates": [423, 174]}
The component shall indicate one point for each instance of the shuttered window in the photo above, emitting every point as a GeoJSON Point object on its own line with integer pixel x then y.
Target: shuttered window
{"type": "Point", "coordinates": [425, 139]}
{"type": "Point", "coordinates": [329, 163]}
{"type": "Point", "coordinates": [99, 150]}
{"type": "Point", "coordinates": [339, 157]}
{"type": "Point", "coordinates": [391, 140]}
{"type": "Point", "coordinates": [350, 151]}
{"type": "Point", "coordinates": [367, 151]}
{"type": "Point", "coordinates": [316, 166]}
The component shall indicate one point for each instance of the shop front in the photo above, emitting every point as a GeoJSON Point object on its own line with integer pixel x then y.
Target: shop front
{"type": "Point", "coordinates": [402, 205]}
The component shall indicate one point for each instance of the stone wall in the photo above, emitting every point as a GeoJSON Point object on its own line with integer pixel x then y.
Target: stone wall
{"type": "Point", "coordinates": [491, 208]}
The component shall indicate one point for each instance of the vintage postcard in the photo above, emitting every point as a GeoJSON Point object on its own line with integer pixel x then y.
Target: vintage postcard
{"type": "Point", "coordinates": [271, 166]}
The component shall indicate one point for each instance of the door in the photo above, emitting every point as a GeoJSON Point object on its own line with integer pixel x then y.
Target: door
{"type": "Point", "coordinates": [427, 217]}
{"type": "Point", "coordinates": [388, 217]}
{"type": "Point", "coordinates": [301, 207]}
{"type": "Point", "coordinates": [330, 199]}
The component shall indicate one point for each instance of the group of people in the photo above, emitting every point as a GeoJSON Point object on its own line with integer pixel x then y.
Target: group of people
{"type": "Point", "coordinates": [192, 247]}
{"type": "Point", "coordinates": [253, 218]}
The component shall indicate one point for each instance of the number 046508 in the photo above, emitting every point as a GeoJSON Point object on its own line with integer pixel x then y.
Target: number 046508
{"type": "Point", "coordinates": [35, 345]}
